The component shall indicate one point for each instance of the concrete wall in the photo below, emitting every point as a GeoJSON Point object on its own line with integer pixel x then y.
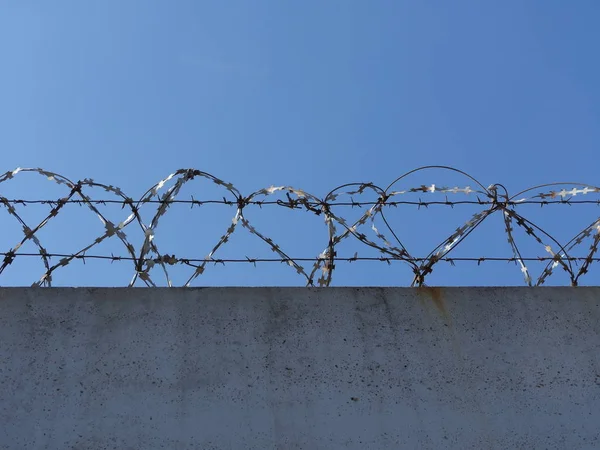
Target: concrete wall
{"type": "Point", "coordinates": [288, 368]}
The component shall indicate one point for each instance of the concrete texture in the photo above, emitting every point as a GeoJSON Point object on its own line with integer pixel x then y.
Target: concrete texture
{"type": "Point", "coordinates": [291, 368]}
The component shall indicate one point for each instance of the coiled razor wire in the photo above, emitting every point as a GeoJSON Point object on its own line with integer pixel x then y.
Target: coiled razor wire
{"type": "Point", "coordinates": [494, 199]}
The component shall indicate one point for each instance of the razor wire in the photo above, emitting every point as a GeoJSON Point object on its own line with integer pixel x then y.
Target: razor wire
{"type": "Point", "coordinates": [493, 200]}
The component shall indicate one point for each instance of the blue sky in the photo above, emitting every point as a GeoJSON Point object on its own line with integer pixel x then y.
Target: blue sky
{"type": "Point", "coordinates": [311, 94]}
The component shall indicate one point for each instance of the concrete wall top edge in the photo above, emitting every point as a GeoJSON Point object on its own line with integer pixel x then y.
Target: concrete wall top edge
{"type": "Point", "coordinates": [300, 288]}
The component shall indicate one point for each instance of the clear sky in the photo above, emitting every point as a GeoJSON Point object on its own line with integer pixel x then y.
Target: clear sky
{"type": "Point", "coordinates": [311, 94]}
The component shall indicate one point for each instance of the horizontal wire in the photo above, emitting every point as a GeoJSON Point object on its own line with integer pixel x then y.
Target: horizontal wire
{"type": "Point", "coordinates": [303, 259]}
{"type": "Point", "coordinates": [311, 203]}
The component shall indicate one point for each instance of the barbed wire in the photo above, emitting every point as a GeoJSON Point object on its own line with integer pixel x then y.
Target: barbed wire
{"type": "Point", "coordinates": [494, 199]}
{"type": "Point", "coordinates": [172, 259]}
{"type": "Point", "coordinates": [193, 202]}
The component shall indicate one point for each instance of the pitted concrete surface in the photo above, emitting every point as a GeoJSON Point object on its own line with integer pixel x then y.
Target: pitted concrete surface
{"type": "Point", "coordinates": [297, 368]}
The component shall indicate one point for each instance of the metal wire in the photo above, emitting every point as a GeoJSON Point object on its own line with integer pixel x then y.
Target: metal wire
{"type": "Point", "coordinates": [493, 200]}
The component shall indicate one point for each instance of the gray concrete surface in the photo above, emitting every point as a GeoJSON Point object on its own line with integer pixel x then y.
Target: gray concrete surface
{"type": "Point", "coordinates": [291, 368]}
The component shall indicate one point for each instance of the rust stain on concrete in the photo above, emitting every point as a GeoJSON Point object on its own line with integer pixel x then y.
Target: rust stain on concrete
{"type": "Point", "coordinates": [435, 294]}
